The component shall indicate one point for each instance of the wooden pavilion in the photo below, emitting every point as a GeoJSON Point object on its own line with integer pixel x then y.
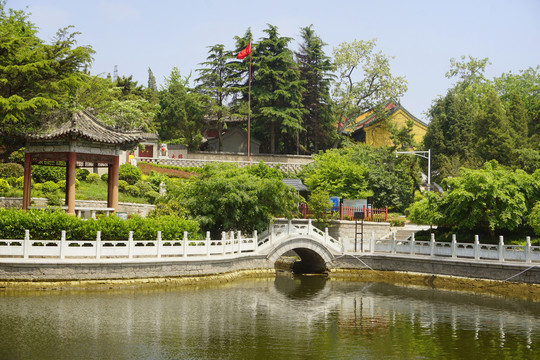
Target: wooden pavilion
{"type": "Point", "coordinates": [79, 141]}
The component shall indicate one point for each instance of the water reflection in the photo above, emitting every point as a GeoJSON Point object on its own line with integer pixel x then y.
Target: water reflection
{"type": "Point", "coordinates": [291, 317]}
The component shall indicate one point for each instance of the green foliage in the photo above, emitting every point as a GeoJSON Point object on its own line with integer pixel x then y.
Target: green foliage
{"type": "Point", "coordinates": [143, 186]}
{"type": "Point", "coordinates": [105, 177]}
{"type": "Point", "coordinates": [152, 196]}
{"type": "Point", "coordinates": [276, 94]}
{"type": "Point", "coordinates": [19, 183]}
{"type": "Point", "coordinates": [377, 85]}
{"type": "Point", "coordinates": [129, 173]}
{"type": "Point", "coordinates": [49, 187]}
{"type": "Point", "coordinates": [93, 178]}
{"type": "Point", "coordinates": [81, 174]}
{"type": "Point", "coordinates": [41, 173]}
{"type": "Point", "coordinates": [315, 73]}
{"type": "Point", "coordinates": [4, 186]}
{"type": "Point", "coordinates": [534, 218]}
{"type": "Point", "coordinates": [263, 171]}
{"type": "Point", "coordinates": [11, 170]}
{"type": "Point", "coordinates": [133, 190]}
{"type": "Point", "coordinates": [336, 173]}
{"type": "Point", "coordinates": [46, 225]}
{"type": "Point", "coordinates": [17, 156]}
{"type": "Point", "coordinates": [425, 211]}
{"type": "Point", "coordinates": [122, 185]}
{"type": "Point", "coordinates": [319, 204]}
{"type": "Point", "coordinates": [62, 184]}
{"type": "Point", "coordinates": [226, 198]}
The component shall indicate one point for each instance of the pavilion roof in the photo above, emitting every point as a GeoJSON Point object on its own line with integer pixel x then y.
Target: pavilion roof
{"type": "Point", "coordinates": [84, 125]}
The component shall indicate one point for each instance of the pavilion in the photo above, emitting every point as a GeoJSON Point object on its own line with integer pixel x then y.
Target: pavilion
{"type": "Point", "coordinates": [79, 141]}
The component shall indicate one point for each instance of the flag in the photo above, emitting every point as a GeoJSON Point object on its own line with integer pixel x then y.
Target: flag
{"type": "Point", "coordinates": [242, 54]}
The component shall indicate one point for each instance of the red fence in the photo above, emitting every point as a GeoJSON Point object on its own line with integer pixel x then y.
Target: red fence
{"type": "Point", "coordinates": [347, 212]}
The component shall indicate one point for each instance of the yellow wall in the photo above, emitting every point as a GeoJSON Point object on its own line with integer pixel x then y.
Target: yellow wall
{"type": "Point", "coordinates": [378, 134]}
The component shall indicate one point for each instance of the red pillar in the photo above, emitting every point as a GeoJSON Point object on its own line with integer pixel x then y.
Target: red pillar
{"type": "Point", "coordinates": [112, 196]}
{"type": "Point", "coordinates": [27, 185]}
{"type": "Point", "coordinates": [70, 183]}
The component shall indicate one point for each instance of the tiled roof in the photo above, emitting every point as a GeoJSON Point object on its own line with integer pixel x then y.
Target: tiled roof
{"type": "Point", "coordinates": [84, 125]}
{"type": "Point", "coordinates": [295, 183]}
{"type": "Point", "coordinates": [391, 108]}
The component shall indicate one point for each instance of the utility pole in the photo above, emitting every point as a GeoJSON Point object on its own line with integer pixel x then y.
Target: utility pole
{"type": "Point", "coordinates": [422, 154]}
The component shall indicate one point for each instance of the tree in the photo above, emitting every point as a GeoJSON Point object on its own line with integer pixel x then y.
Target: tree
{"type": "Point", "coordinates": [35, 77]}
{"type": "Point", "coordinates": [181, 112]}
{"type": "Point", "coordinates": [215, 82]}
{"type": "Point", "coordinates": [226, 197]}
{"type": "Point", "coordinates": [151, 92]}
{"type": "Point", "coordinates": [315, 73]}
{"type": "Point", "coordinates": [377, 85]}
{"type": "Point", "coordinates": [277, 94]}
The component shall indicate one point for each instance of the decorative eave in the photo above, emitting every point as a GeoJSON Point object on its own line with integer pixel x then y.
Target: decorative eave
{"type": "Point", "coordinates": [373, 119]}
{"type": "Point", "coordinates": [84, 125]}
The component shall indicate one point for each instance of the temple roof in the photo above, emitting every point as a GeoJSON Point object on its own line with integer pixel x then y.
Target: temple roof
{"type": "Point", "coordinates": [84, 125]}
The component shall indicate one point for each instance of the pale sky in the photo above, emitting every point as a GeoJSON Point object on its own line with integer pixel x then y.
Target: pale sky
{"type": "Point", "coordinates": [422, 35]}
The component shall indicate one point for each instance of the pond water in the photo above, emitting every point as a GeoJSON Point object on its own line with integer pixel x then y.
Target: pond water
{"type": "Point", "coordinates": [289, 317]}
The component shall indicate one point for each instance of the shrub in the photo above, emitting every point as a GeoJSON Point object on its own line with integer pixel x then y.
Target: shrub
{"type": "Point", "coordinates": [81, 174]}
{"type": "Point", "coordinates": [129, 173]}
{"type": "Point", "coordinates": [534, 218]}
{"type": "Point", "coordinates": [12, 181]}
{"type": "Point", "coordinates": [49, 187]}
{"type": "Point", "coordinates": [48, 173]}
{"type": "Point", "coordinates": [133, 191]}
{"type": "Point", "coordinates": [105, 177]}
{"type": "Point", "coordinates": [4, 186]}
{"type": "Point", "coordinates": [11, 170]}
{"type": "Point", "coordinates": [144, 186]}
{"type": "Point", "coordinates": [17, 156]}
{"type": "Point", "coordinates": [39, 186]}
{"type": "Point", "coordinates": [93, 178]}
{"type": "Point", "coordinates": [55, 198]}
{"type": "Point", "coordinates": [122, 184]}
{"type": "Point", "coordinates": [62, 184]}
{"type": "Point", "coordinates": [152, 196]}
{"type": "Point", "coordinates": [19, 183]}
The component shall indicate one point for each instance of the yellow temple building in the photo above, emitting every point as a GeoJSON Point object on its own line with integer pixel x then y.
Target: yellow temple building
{"type": "Point", "coordinates": [374, 131]}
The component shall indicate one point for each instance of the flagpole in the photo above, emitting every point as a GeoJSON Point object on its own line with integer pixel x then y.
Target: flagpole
{"type": "Point", "coordinates": [249, 105]}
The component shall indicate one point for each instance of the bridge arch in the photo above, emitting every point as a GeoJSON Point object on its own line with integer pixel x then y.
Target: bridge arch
{"type": "Point", "coordinates": [314, 255]}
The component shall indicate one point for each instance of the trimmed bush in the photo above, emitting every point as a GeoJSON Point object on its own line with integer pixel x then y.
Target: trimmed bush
{"type": "Point", "coordinates": [11, 170]}
{"type": "Point", "coordinates": [81, 174]}
{"type": "Point", "coordinates": [12, 181]}
{"type": "Point", "coordinates": [48, 173]}
{"type": "Point", "coordinates": [4, 186]}
{"type": "Point", "coordinates": [151, 196]}
{"type": "Point", "coordinates": [129, 173]}
{"type": "Point", "coordinates": [62, 184]}
{"type": "Point", "coordinates": [46, 225]}
{"type": "Point", "coordinates": [144, 186]}
{"type": "Point", "coordinates": [122, 184]}
{"type": "Point", "coordinates": [49, 187]}
{"type": "Point", "coordinates": [133, 190]}
{"type": "Point", "coordinates": [19, 183]}
{"type": "Point", "coordinates": [105, 177]}
{"type": "Point", "coordinates": [93, 178]}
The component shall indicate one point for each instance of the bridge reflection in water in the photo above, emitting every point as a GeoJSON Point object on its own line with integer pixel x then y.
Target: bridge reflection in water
{"type": "Point", "coordinates": [285, 317]}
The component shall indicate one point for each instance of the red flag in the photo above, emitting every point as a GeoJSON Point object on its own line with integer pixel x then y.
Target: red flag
{"type": "Point", "coordinates": [242, 54]}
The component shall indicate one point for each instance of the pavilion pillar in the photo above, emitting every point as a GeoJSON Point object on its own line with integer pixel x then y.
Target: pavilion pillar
{"type": "Point", "coordinates": [112, 196]}
{"type": "Point", "coordinates": [27, 185]}
{"type": "Point", "coordinates": [70, 183]}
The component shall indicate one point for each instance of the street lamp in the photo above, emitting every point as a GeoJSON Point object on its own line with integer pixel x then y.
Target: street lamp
{"type": "Point", "coordinates": [422, 154]}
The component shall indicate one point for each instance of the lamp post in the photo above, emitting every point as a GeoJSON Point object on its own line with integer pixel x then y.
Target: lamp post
{"type": "Point", "coordinates": [422, 154]}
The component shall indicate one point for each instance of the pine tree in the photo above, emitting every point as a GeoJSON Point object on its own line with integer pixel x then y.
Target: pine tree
{"type": "Point", "coordinates": [276, 94]}
{"type": "Point", "coordinates": [315, 73]}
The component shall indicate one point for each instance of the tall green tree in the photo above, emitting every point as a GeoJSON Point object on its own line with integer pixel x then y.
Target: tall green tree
{"type": "Point", "coordinates": [181, 113]}
{"type": "Point", "coordinates": [276, 94]}
{"type": "Point", "coordinates": [315, 72]}
{"type": "Point", "coordinates": [216, 82]}
{"type": "Point", "coordinates": [35, 77]}
{"type": "Point", "coordinates": [377, 85]}
{"type": "Point", "coordinates": [151, 92]}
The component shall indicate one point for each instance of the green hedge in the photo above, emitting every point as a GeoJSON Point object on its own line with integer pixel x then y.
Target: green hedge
{"type": "Point", "coordinates": [48, 225]}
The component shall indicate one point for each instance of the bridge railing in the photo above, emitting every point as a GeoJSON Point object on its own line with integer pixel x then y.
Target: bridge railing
{"type": "Point", "coordinates": [230, 243]}
{"type": "Point", "coordinates": [455, 250]}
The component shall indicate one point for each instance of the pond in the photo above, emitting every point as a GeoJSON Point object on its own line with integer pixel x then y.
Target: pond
{"type": "Point", "coordinates": [286, 317]}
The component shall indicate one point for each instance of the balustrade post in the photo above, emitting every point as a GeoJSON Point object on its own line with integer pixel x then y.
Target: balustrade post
{"type": "Point", "coordinates": [432, 246]}
{"type": "Point", "coordinates": [255, 239]}
{"type": "Point", "coordinates": [130, 245]}
{"type": "Point", "coordinates": [207, 243]}
{"type": "Point", "coordinates": [271, 233]}
{"type": "Point", "coordinates": [326, 235]}
{"type": "Point", "coordinates": [454, 246]}
{"type": "Point", "coordinates": [413, 243]}
{"type": "Point", "coordinates": [309, 225]}
{"type": "Point", "coordinates": [476, 247]}
{"type": "Point", "coordinates": [231, 236]}
{"type": "Point", "coordinates": [289, 226]}
{"type": "Point", "coordinates": [63, 245]}
{"type": "Point", "coordinates": [393, 243]}
{"type": "Point", "coordinates": [185, 244]}
{"type": "Point", "coordinates": [372, 244]}
{"type": "Point", "coordinates": [26, 244]}
{"type": "Point", "coordinates": [98, 245]}
{"type": "Point", "coordinates": [528, 249]}
{"type": "Point", "coordinates": [158, 244]}
{"type": "Point", "coordinates": [223, 241]}
{"type": "Point", "coordinates": [239, 242]}
{"type": "Point", "coordinates": [501, 248]}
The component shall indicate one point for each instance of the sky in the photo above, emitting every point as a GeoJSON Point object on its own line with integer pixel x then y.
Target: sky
{"type": "Point", "coordinates": [422, 36]}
